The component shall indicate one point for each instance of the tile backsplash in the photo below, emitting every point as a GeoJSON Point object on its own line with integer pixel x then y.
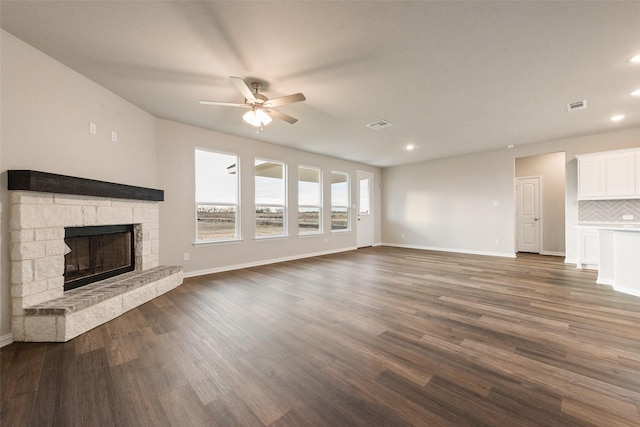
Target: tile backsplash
{"type": "Point", "coordinates": [608, 210]}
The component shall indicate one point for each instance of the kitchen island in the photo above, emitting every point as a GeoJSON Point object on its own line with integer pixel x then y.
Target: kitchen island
{"type": "Point", "coordinates": [619, 257]}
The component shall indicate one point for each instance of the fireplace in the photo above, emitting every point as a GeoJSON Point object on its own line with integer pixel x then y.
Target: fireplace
{"type": "Point", "coordinates": [53, 219]}
{"type": "Point", "coordinates": [96, 253]}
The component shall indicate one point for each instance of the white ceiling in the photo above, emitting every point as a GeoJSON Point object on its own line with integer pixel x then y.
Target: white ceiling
{"type": "Point", "coordinates": [452, 77]}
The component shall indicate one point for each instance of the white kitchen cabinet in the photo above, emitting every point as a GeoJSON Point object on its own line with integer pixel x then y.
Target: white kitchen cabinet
{"type": "Point", "coordinates": [588, 247]}
{"type": "Point", "coordinates": [620, 175]}
{"type": "Point", "coordinates": [591, 177]}
{"type": "Point", "coordinates": [610, 175]}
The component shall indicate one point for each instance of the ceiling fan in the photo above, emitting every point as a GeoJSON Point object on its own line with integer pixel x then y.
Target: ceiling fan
{"type": "Point", "coordinates": [261, 108]}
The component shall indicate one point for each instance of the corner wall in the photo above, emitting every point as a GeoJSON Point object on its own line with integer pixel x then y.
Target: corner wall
{"type": "Point", "coordinates": [46, 110]}
{"type": "Point", "coordinates": [447, 204]}
{"type": "Point", "coordinates": [176, 176]}
{"type": "Point", "coordinates": [459, 204]}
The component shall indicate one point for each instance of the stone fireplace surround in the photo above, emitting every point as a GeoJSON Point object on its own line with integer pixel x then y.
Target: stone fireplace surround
{"type": "Point", "coordinates": [41, 206]}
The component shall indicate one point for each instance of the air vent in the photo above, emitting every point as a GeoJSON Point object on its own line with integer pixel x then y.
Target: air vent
{"type": "Point", "coordinates": [380, 124]}
{"type": "Point", "coordinates": [577, 105]}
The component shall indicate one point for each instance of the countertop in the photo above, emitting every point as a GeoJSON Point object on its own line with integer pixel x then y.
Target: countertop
{"type": "Point", "coordinates": [611, 226]}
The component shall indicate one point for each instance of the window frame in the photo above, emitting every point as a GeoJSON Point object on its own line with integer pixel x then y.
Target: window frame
{"type": "Point", "coordinates": [368, 211]}
{"type": "Point", "coordinates": [318, 206]}
{"type": "Point", "coordinates": [238, 228]}
{"type": "Point", "coordinates": [285, 228]}
{"type": "Point", "coordinates": [347, 207]}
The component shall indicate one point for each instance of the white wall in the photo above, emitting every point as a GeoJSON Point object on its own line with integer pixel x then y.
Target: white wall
{"type": "Point", "coordinates": [447, 204]}
{"type": "Point", "coordinates": [176, 175]}
{"type": "Point", "coordinates": [46, 110]}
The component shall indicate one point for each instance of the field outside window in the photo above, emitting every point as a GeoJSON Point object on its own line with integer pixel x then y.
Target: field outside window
{"type": "Point", "coordinates": [339, 201]}
{"type": "Point", "coordinates": [216, 196]}
{"type": "Point", "coordinates": [309, 200]}
{"type": "Point", "coordinates": [270, 194]}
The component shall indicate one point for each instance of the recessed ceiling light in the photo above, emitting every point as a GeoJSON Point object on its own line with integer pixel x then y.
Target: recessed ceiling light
{"type": "Point", "coordinates": [510, 146]}
{"type": "Point", "coordinates": [617, 117]}
{"type": "Point", "coordinates": [409, 147]}
{"type": "Point", "coordinates": [635, 92]}
{"type": "Point", "coordinates": [635, 59]}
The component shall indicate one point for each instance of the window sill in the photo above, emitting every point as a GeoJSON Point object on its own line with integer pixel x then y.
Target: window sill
{"type": "Point", "coordinates": [266, 238]}
{"type": "Point", "coordinates": [217, 242]}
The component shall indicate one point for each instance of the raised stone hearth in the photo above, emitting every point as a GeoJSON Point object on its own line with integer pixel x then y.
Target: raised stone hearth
{"type": "Point", "coordinates": [81, 309]}
{"type": "Point", "coordinates": [41, 206]}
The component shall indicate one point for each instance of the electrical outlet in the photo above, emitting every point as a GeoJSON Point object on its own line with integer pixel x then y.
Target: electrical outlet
{"type": "Point", "coordinates": [186, 256]}
{"type": "Point", "coordinates": [627, 217]}
{"type": "Point", "coordinates": [92, 128]}
{"type": "Point", "coordinates": [497, 241]}
{"type": "Point", "coordinates": [114, 136]}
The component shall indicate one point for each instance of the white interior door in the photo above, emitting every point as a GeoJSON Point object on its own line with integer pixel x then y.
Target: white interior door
{"type": "Point", "coordinates": [364, 223]}
{"type": "Point", "coordinates": [528, 214]}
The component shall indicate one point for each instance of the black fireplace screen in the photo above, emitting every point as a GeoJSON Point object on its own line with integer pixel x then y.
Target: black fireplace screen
{"type": "Point", "coordinates": [97, 253]}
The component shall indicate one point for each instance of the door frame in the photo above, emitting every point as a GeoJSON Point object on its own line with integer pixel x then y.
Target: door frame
{"type": "Point", "coordinates": [540, 211]}
{"type": "Point", "coordinates": [370, 176]}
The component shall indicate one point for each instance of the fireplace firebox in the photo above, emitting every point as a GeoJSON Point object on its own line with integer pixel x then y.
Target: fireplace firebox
{"type": "Point", "coordinates": [96, 253]}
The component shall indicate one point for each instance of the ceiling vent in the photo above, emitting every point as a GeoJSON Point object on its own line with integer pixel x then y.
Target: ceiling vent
{"type": "Point", "coordinates": [380, 124]}
{"type": "Point", "coordinates": [577, 105]}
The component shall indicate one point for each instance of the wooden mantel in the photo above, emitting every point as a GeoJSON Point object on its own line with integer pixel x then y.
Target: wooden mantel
{"type": "Point", "coordinates": [28, 180]}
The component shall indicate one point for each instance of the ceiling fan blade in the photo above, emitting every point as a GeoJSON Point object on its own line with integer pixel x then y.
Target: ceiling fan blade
{"type": "Point", "coordinates": [281, 116]}
{"type": "Point", "coordinates": [289, 99]}
{"type": "Point", "coordinates": [224, 104]}
{"type": "Point", "coordinates": [243, 88]}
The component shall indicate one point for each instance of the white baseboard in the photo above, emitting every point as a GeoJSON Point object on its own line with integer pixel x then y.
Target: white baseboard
{"type": "Point", "coordinates": [630, 291]}
{"type": "Point", "coordinates": [605, 281]}
{"type": "Point", "coordinates": [551, 253]}
{"type": "Point", "coordinates": [459, 251]}
{"type": "Point", "coordinates": [196, 273]}
{"type": "Point", "coordinates": [6, 340]}
{"type": "Point", "coordinates": [262, 262]}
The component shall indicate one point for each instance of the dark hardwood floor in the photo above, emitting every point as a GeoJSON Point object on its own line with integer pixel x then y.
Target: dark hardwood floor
{"type": "Point", "coordinates": [375, 337]}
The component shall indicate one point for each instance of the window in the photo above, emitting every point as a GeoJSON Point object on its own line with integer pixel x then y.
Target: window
{"type": "Point", "coordinates": [270, 198]}
{"type": "Point", "coordinates": [364, 207]}
{"type": "Point", "coordinates": [216, 196]}
{"type": "Point", "coordinates": [339, 201]}
{"type": "Point", "coordinates": [309, 200]}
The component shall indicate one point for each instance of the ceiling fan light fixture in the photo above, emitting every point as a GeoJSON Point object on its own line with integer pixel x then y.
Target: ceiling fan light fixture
{"type": "Point", "coordinates": [256, 117]}
{"type": "Point", "coordinates": [261, 112]}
